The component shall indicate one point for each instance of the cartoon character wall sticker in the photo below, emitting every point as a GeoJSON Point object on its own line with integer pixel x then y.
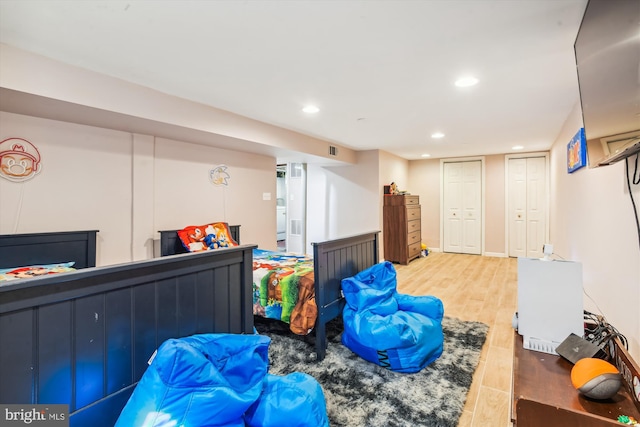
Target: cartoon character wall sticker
{"type": "Point", "coordinates": [219, 175]}
{"type": "Point", "coordinates": [19, 159]}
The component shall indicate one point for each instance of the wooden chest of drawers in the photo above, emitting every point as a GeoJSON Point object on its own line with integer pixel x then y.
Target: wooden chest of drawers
{"type": "Point", "coordinates": [402, 224]}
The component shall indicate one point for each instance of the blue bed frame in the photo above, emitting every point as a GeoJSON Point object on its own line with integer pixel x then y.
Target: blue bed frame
{"type": "Point", "coordinates": [17, 250]}
{"type": "Point", "coordinates": [83, 338]}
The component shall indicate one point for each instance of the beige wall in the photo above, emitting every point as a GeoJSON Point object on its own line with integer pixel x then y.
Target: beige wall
{"type": "Point", "coordinates": [592, 222]}
{"type": "Point", "coordinates": [425, 181]}
{"type": "Point", "coordinates": [183, 192]}
{"type": "Point", "coordinates": [85, 184]}
{"type": "Point", "coordinates": [494, 225]}
{"type": "Point", "coordinates": [425, 177]}
{"type": "Point", "coordinates": [129, 186]}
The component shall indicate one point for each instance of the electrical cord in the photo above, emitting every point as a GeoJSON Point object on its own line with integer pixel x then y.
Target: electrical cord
{"type": "Point", "coordinates": [636, 181]}
{"type": "Point", "coordinates": [600, 332]}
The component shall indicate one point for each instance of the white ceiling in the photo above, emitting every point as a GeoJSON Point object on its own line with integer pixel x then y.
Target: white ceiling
{"type": "Point", "coordinates": [381, 72]}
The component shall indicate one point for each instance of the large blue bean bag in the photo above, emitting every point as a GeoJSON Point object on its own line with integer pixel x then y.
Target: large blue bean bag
{"type": "Point", "coordinates": [201, 380]}
{"type": "Point", "coordinates": [216, 380]}
{"type": "Point", "coordinates": [400, 332]}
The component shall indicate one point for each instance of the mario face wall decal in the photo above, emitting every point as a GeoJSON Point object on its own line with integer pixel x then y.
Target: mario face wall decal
{"type": "Point", "coordinates": [19, 159]}
{"type": "Point", "coordinates": [219, 175]}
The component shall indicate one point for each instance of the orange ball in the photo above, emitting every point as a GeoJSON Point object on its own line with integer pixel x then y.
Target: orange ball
{"type": "Point", "coordinates": [596, 378]}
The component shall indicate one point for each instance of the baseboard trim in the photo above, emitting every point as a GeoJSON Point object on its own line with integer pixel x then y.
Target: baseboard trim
{"type": "Point", "coordinates": [496, 254]}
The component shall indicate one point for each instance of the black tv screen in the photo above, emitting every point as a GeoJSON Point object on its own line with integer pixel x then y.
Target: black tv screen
{"type": "Point", "coordinates": [607, 50]}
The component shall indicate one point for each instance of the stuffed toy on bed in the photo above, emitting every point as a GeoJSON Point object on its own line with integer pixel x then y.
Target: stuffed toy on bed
{"type": "Point", "coordinates": [400, 332]}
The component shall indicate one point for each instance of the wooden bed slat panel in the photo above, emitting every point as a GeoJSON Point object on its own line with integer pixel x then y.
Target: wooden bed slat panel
{"type": "Point", "coordinates": [89, 350]}
{"type": "Point", "coordinates": [221, 299]}
{"type": "Point", "coordinates": [205, 302]}
{"type": "Point", "coordinates": [165, 310]}
{"type": "Point", "coordinates": [16, 360]}
{"type": "Point", "coordinates": [53, 341]}
{"type": "Point", "coordinates": [185, 304]}
{"type": "Point", "coordinates": [119, 339]}
{"type": "Point", "coordinates": [144, 327]}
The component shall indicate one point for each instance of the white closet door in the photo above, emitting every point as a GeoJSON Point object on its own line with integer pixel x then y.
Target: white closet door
{"type": "Point", "coordinates": [527, 206]}
{"type": "Point", "coordinates": [462, 207]}
{"type": "Point", "coordinates": [472, 207]}
{"type": "Point", "coordinates": [452, 207]}
{"type": "Point", "coordinates": [536, 206]}
{"type": "Point", "coordinates": [518, 207]}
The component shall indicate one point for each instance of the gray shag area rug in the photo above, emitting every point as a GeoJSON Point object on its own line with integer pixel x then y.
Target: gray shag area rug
{"type": "Point", "coordinates": [363, 394]}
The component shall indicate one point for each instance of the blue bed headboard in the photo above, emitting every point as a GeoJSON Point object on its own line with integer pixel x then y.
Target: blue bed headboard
{"type": "Point", "coordinates": [17, 250]}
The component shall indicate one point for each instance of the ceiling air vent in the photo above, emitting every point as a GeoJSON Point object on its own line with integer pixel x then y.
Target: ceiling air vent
{"type": "Point", "coordinates": [333, 151]}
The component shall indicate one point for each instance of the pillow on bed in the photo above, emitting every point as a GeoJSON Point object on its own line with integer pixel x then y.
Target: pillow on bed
{"type": "Point", "coordinates": [197, 238]}
{"type": "Point", "coordinates": [29, 271]}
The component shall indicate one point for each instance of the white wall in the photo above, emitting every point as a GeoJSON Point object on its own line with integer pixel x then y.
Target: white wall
{"type": "Point", "coordinates": [129, 186]}
{"type": "Point", "coordinates": [592, 222]}
{"type": "Point", "coordinates": [343, 200]}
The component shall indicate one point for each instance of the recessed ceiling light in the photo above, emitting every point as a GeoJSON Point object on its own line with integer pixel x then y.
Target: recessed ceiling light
{"type": "Point", "coordinates": [517, 147]}
{"type": "Point", "coordinates": [466, 81]}
{"type": "Point", "coordinates": [426, 155]}
{"type": "Point", "coordinates": [437, 135]}
{"type": "Point", "coordinates": [310, 109]}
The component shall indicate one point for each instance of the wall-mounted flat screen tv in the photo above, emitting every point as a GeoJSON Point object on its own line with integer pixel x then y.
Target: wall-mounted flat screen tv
{"type": "Point", "coordinates": [607, 50]}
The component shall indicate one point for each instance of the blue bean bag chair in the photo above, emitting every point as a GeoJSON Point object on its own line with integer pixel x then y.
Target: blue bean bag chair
{"type": "Point", "coordinates": [216, 380]}
{"type": "Point", "coordinates": [201, 380]}
{"type": "Point", "coordinates": [400, 332]}
{"type": "Point", "coordinates": [294, 400]}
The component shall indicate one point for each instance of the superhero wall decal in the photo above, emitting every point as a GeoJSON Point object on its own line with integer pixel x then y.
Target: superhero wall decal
{"type": "Point", "coordinates": [19, 160]}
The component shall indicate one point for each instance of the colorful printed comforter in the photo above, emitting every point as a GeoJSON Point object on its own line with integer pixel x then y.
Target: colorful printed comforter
{"type": "Point", "coordinates": [283, 289]}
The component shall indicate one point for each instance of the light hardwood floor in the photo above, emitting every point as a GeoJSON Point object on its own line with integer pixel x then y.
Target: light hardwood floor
{"type": "Point", "coordinates": [484, 289]}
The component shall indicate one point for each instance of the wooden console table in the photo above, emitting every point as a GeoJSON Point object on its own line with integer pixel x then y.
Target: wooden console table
{"type": "Point", "coordinates": [543, 395]}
